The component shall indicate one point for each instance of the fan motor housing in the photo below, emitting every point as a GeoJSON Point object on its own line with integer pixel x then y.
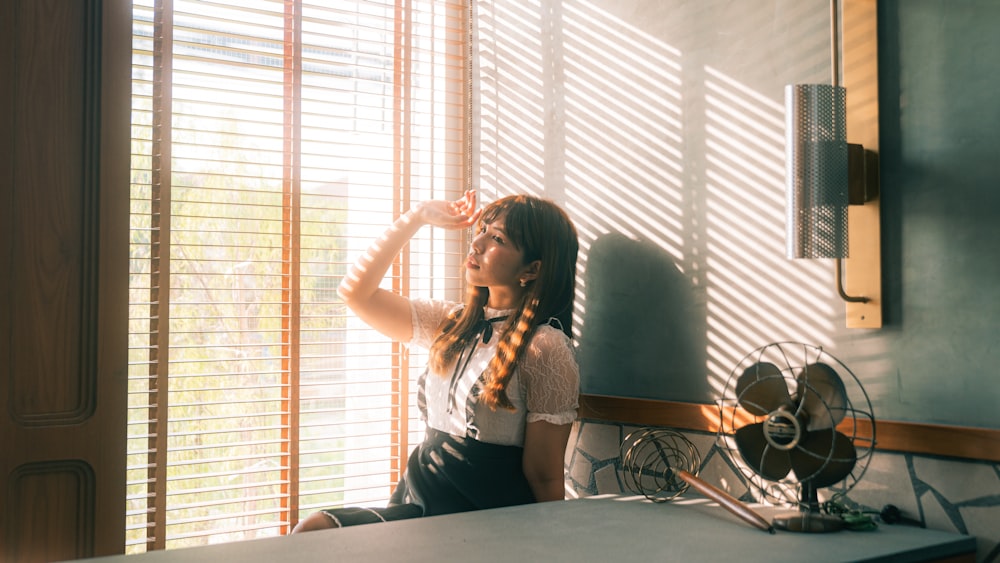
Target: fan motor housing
{"type": "Point", "coordinates": [782, 430]}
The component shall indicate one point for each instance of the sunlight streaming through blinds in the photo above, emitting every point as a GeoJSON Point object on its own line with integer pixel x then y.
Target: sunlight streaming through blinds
{"type": "Point", "coordinates": [272, 141]}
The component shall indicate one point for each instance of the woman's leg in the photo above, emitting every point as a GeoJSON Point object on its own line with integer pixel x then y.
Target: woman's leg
{"type": "Point", "coordinates": [315, 521]}
{"type": "Point", "coordinates": [355, 516]}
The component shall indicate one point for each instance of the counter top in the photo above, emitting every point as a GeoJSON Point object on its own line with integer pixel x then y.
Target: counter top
{"type": "Point", "coordinates": [610, 529]}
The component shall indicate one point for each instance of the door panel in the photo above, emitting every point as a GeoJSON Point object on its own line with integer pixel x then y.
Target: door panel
{"type": "Point", "coordinates": [64, 183]}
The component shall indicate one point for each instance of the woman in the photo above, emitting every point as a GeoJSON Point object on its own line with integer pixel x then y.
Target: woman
{"type": "Point", "coordinates": [501, 388]}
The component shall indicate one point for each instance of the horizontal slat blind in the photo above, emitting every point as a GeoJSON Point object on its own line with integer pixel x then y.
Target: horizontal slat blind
{"type": "Point", "coordinates": [295, 134]}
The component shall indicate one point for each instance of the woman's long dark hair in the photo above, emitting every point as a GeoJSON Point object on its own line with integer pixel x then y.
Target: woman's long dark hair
{"type": "Point", "coordinates": [542, 231]}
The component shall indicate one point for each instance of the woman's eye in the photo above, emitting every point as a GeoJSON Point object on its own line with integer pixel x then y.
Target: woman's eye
{"type": "Point", "coordinates": [498, 239]}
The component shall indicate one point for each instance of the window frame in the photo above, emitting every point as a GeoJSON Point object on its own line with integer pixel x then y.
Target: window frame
{"type": "Point", "coordinates": [154, 357]}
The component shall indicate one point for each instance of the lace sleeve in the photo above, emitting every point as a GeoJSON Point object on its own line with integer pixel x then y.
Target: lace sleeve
{"type": "Point", "coordinates": [427, 315]}
{"type": "Point", "coordinates": [551, 377]}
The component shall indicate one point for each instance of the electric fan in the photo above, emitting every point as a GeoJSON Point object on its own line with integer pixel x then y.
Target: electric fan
{"type": "Point", "coordinates": [792, 427]}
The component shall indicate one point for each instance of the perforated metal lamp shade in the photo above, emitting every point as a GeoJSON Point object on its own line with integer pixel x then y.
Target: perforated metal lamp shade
{"type": "Point", "coordinates": [817, 170]}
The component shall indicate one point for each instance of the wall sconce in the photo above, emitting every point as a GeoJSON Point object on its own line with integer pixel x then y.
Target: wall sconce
{"type": "Point", "coordinates": [832, 186]}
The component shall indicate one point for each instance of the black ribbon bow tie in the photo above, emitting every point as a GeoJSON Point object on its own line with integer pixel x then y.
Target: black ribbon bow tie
{"type": "Point", "coordinates": [486, 327]}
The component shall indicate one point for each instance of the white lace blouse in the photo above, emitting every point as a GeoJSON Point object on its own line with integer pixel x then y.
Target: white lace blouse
{"type": "Point", "coordinates": [545, 385]}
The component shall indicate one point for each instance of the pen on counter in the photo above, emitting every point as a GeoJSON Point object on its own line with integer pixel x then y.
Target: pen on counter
{"type": "Point", "coordinates": [727, 501]}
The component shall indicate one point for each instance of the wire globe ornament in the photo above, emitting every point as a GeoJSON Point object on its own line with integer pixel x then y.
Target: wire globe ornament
{"type": "Point", "coordinates": [650, 459]}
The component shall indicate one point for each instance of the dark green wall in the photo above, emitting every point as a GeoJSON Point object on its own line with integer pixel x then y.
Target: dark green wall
{"type": "Point", "coordinates": [940, 127]}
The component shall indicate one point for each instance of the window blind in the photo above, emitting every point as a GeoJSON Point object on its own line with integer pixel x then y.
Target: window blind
{"type": "Point", "coordinates": [272, 142]}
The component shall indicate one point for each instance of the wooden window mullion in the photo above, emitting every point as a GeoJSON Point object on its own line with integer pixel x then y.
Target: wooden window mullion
{"type": "Point", "coordinates": [402, 66]}
{"type": "Point", "coordinates": [291, 260]}
{"type": "Point", "coordinates": [159, 364]}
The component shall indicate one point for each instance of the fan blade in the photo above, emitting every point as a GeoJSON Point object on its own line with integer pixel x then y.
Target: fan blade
{"type": "Point", "coordinates": [828, 447]}
{"type": "Point", "coordinates": [761, 389]}
{"type": "Point", "coordinates": [768, 462]}
{"type": "Point", "coordinates": [822, 396]}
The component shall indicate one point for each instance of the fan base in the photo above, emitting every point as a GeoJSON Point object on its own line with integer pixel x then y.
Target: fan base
{"type": "Point", "coordinates": [808, 522]}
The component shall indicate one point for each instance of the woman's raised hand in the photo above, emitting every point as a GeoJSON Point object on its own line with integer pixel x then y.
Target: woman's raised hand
{"type": "Point", "coordinates": [387, 311]}
{"type": "Point", "coordinates": [457, 214]}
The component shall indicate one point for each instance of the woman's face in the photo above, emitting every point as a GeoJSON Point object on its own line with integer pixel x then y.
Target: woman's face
{"type": "Point", "coordinates": [494, 261]}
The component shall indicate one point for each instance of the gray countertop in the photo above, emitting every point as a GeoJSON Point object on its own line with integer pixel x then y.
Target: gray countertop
{"type": "Point", "coordinates": [599, 529]}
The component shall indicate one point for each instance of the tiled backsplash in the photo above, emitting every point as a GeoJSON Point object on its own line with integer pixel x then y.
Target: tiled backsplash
{"type": "Point", "coordinates": [946, 494]}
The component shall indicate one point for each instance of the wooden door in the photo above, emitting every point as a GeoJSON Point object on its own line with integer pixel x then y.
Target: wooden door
{"type": "Point", "coordinates": [64, 188]}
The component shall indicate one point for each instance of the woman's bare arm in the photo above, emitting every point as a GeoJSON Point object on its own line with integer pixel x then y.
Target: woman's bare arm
{"type": "Point", "coordinates": [383, 310]}
{"type": "Point", "coordinates": [544, 452]}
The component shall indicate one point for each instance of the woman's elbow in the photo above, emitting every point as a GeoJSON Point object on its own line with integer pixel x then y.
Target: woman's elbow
{"type": "Point", "coordinates": [549, 489]}
{"type": "Point", "coordinates": [344, 292]}
{"type": "Point", "coordinates": [547, 481]}
{"type": "Point", "coordinates": [350, 292]}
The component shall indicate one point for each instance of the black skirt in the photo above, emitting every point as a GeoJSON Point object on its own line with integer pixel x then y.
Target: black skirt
{"type": "Point", "coordinates": [447, 474]}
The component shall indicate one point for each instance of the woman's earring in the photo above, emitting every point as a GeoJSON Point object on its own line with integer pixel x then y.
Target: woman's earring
{"type": "Point", "coordinates": [524, 283]}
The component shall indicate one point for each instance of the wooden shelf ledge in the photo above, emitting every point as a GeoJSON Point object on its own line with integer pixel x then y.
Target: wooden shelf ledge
{"type": "Point", "coordinates": [906, 437]}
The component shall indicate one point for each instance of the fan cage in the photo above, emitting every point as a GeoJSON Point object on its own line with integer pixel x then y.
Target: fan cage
{"type": "Point", "coordinates": [858, 423]}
